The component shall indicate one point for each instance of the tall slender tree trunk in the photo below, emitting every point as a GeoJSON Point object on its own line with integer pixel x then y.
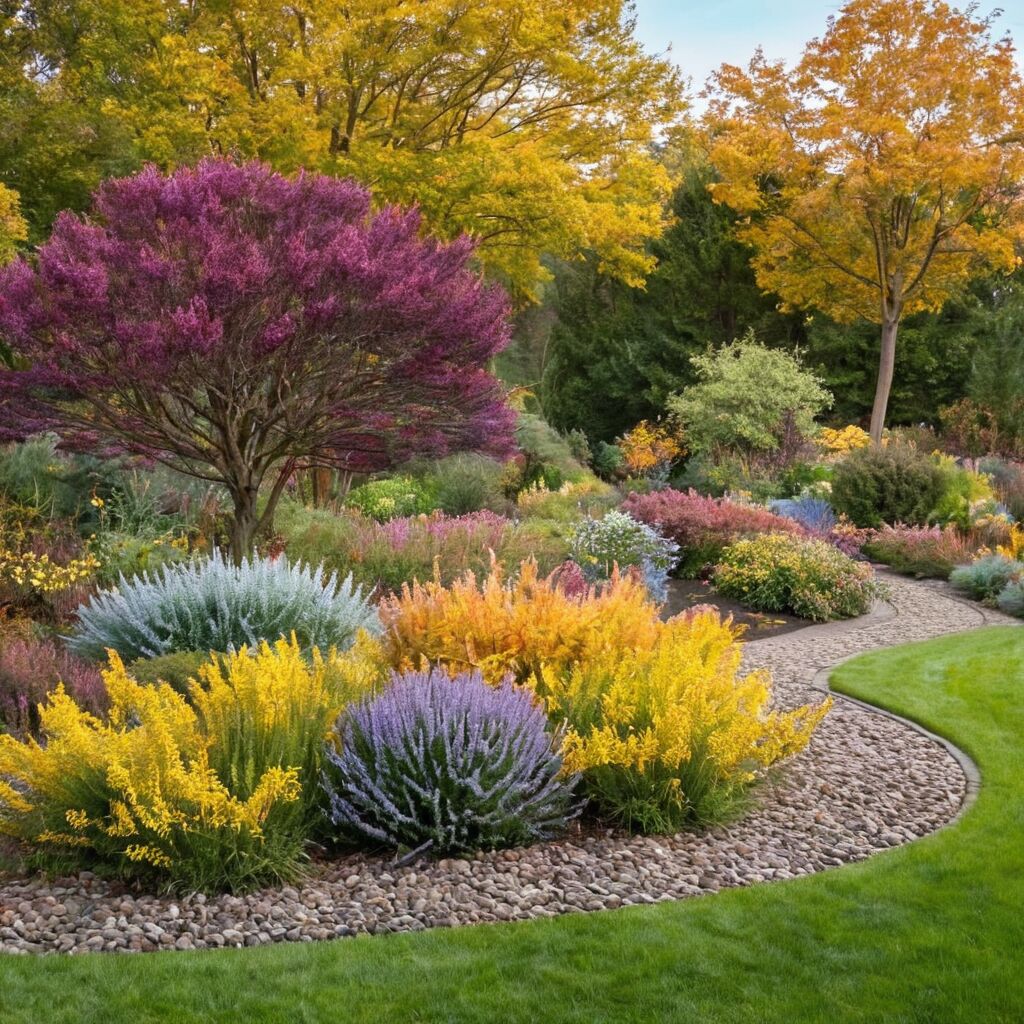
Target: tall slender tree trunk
{"type": "Point", "coordinates": [886, 366]}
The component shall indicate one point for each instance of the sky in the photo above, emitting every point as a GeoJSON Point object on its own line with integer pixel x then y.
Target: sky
{"type": "Point", "coordinates": [706, 33]}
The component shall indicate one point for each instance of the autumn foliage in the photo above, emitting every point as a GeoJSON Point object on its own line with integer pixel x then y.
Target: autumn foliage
{"type": "Point", "coordinates": [233, 324]}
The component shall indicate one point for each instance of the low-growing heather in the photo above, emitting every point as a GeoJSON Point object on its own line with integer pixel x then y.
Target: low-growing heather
{"type": "Point", "coordinates": [217, 791]}
{"type": "Point", "coordinates": [703, 527]}
{"type": "Point", "coordinates": [30, 670]}
{"type": "Point", "coordinates": [383, 556]}
{"type": "Point", "coordinates": [598, 546]}
{"type": "Point", "coordinates": [447, 765]}
{"type": "Point", "coordinates": [799, 575]}
{"type": "Point", "coordinates": [671, 734]}
{"type": "Point", "coordinates": [931, 551]}
{"type": "Point", "coordinates": [985, 578]}
{"type": "Point", "coordinates": [217, 606]}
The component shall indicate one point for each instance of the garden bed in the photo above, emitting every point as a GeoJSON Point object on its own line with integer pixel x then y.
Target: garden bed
{"type": "Point", "coordinates": [865, 784]}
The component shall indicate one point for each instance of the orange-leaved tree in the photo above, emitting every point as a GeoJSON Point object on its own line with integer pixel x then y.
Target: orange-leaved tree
{"type": "Point", "coordinates": [880, 172]}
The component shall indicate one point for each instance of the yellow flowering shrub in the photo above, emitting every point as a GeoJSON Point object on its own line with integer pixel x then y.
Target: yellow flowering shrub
{"type": "Point", "coordinates": [840, 441]}
{"type": "Point", "coordinates": [1014, 546]}
{"type": "Point", "coordinates": [212, 792]}
{"type": "Point", "coordinates": [649, 447]}
{"type": "Point", "coordinates": [656, 716]}
{"type": "Point", "coordinates": [527, 626]}
{"type": "Point", "coordinates": [672, 733]}
{"type": "Point", "coordinates": [38, 573]}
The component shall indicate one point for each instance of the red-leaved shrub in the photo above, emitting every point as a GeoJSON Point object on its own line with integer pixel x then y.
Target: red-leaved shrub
{"type": "Point", "coordinates": [703, 527]}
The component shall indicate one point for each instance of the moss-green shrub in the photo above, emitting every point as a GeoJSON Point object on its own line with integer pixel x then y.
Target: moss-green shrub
{"type": "Point", "coordinates": [177, 669]}
{"type": "Point", "coordinates": [783, 573]}
{"type": "Point", "coordinates": [897, 484]}
{"type": "Point", "coordinates": [392, 497]}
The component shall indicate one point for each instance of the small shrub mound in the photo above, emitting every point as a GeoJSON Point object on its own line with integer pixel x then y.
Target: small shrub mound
{"type": "Point", "coordinates": [703, 527]}
{"type": "Point", "coordinates": [808, 578]}
{"type": "Point", "coordinates": [449, 765]}
{"type": "Point", "coordinates": [617, 539]}
{"type": "Point", "coordinates": [1011, 599]}
{"type": "Point", "coordinates": [895, 484]}
{"type": "Point", "coordinates": [530, 626]}
{"type": "Point", "coordinates": [213, 792]}
{"type": "Point", "coordinates": [814, 514]}
{"type": "Point", "coordinates": [672, 735]}
{"type": "Point", "coordinates": [392, 497]}
{"type": "Point", "coordinates": [656, 718]}
{"type": "Point", "coordinates": [217, 606]}
{"type": "Point", "coordinates": [920, 551]}
{"type": "Point", "coordinates": [987, 577]}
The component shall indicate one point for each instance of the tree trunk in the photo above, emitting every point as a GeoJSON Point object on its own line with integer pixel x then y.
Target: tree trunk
{"type": "Point", "coordinates": [886, 365]}
{"type": "Point", "coordinates": [244, 525]}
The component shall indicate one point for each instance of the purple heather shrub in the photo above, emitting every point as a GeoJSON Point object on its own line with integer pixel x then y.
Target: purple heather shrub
{"type": "Point", "coordinates": [448, 765]}
{"type": "Point", "coordinates": [30, 670]}
{"type": "Point", "coordinates": [347, 336]}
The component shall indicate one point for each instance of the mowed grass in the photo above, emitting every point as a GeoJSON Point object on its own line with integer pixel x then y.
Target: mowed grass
{"type": "Point", "coordinates": [932, 932]}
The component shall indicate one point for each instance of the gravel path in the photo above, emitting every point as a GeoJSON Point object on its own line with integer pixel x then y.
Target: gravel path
{"type": "Point", "coordinates": [866, 783]}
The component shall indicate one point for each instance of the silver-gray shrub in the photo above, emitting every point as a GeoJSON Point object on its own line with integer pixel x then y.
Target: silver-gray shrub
{"type": "Point", "coordinates": [447, 765]}
{"type": "Point", "coordinates": [215, 605]}
{"type": "Point", "coordinates": [987, 577]}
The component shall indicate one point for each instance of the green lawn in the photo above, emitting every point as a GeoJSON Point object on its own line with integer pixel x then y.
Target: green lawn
{"type": "Point", "coordinates": [931, 932]}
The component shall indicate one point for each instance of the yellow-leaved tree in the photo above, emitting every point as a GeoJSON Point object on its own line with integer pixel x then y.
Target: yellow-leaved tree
{"type": "Point", "coordinates": [529, 124]}
{"type": "Point", "coordinates": [880, 172]}
{"type": "Point", "coordinates": [12, 225]}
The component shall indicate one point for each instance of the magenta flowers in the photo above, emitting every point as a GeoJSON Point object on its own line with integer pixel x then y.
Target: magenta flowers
{"type": "Point", "coordinates": [235, 324]}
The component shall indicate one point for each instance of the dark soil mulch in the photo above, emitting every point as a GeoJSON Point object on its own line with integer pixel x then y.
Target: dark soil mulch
{"type": "Point", "coordinates": [684, 594]}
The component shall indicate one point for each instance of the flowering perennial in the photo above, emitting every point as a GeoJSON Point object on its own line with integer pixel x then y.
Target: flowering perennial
{"type": "Point", "coordinates": [447, 764]}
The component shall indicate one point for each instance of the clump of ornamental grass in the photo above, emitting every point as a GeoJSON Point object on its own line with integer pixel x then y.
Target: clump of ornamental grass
{"type": "Point", "coordinates": [447, 765]}
{"type": "Point", "coordinates": [217, 606]}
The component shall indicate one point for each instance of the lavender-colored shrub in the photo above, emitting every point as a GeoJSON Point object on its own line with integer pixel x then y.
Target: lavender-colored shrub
{"type": "Point", "coordinates": [447, 765]}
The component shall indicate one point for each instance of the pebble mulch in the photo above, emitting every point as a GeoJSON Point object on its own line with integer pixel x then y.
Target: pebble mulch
{"type": "Point", "coordinates": [866, 783]}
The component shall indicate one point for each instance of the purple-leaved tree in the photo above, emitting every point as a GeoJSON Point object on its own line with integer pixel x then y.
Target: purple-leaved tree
{"type": "Point", "coordinates": [233, 324]}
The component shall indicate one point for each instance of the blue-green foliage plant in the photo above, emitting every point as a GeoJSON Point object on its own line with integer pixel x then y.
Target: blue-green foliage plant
{"type": "Point", "coordinates": [598, 545]}
{"type": "Point", "coordinates": [1011, 598]}
{"type": "Point", "coordinates": [215, 605]}
{"type": "Point", "coordinates": [987, 577]}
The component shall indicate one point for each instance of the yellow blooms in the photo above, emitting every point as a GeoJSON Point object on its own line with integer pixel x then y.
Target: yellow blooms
{"type": "Point", "coordinates": [839, 442]}
{"type": "Point", "coordinates": [670, 733]}
{"type": "Point", "coordinates": [656, 716]}
{"type": "Point", "coordinates": [651, 446]}
{"type": "Point", "coordinates": [1014, 546]}
{"type": "Point", "coordinates": [39, 574]}
{"type": "Point", "coordinates": [209, 792]}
